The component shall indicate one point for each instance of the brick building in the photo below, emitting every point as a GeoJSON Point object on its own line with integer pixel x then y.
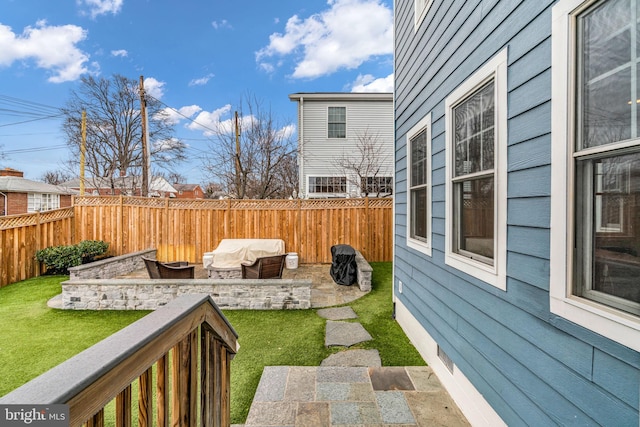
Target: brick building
{"type": "Point", "coordinates": [19, 195]}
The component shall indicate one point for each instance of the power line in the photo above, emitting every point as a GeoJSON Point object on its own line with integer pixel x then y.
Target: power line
{"type": "Point", "coordinates": [35, 149]}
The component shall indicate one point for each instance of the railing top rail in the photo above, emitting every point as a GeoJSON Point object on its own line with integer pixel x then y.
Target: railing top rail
{"type": "Point", "coordinates": [120, 358]}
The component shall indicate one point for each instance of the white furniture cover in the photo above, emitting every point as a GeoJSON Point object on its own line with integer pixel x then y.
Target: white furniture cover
{"type": "Point", "coordinates": [231, 253]}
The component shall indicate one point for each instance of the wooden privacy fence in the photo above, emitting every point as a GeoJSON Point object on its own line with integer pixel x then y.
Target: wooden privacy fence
{"type": "Point", "coordinates": [184, 229]}
{"type": "Point", "coordinates": [21, 236]}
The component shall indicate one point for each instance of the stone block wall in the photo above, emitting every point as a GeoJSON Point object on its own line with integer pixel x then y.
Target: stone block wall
{"type": "Point", "coordinates": [147, 294]}
{"type": "Point", "coordinates": [363, 273]}
{"type": "Point", "coordinates": [111, 267]}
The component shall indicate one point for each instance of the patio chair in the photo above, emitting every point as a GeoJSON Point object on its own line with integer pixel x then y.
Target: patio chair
{"type": "Point", "coordinates": [269, 267]}
{"type": "Point", "coordinates": [152, 268]}
{"type": "Point", "coordinates": [169, 270]}
{"type": "Point", "coordinates": [176, 270]}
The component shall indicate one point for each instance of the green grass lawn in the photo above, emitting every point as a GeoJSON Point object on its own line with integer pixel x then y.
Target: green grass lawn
{"type": "Point", "coordinates": [35, 338]}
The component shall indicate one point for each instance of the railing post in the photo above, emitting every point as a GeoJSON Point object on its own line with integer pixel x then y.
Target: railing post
{"type": "Point", "coordinates": [123, 408]}
{"type": "Point", "coordinates": [145, 399]}
{"type": "Point", "coordinates": [162, 388]}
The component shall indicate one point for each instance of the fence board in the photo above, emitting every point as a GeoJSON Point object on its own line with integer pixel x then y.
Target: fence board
{"type": "Point", "coordinates": [186, 229]}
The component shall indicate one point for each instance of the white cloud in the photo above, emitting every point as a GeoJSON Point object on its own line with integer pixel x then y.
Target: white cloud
{"type": "Point", "coordinates": [201, 81]}
{"type": "Point", "coordinates": [221, 24]}
{"type": "Point", "coordinates": [52, 48]}
{"type": "Point", "coordinates": [287, 131]}
{"type": "Point", "coordinates": [154, 87]}
{"type": "Point", "coordinates": [121, 53]}
{"type": "Point", "coordinates": [345, 35]}
{"type": "Point", "coordinates": [101, 7]}
{"type": "Point", "coordinates": [173, 116]}
{"type": "Point", "coordinates": [209, 122]}
{"type": "Point", "coordinates": [368, 83]}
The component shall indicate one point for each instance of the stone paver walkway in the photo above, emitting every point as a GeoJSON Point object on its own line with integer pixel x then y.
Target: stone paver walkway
{"type": "Point", "coordinates": [351, 388]}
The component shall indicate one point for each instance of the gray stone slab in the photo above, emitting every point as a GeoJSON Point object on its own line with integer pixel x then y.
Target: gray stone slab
{"type": "Point", "coordinates": [272, 384]}
{"type": "Point", "coordinates": [394, 408]}
{"type": "Point", "coordinates": [338, 313]}
{"type": "Point", "coordinates": [272, 414]}
{"type": "Point", "coordinates": [345, 334]}
{"type": "Point", "coordinates": [353, 358]}
{"type": "Point", "coordinates": [301, 384]}
{"type": "Point", "coordinates": [339, 374]}
{"type": "Point", "coordinates": [355, 413]}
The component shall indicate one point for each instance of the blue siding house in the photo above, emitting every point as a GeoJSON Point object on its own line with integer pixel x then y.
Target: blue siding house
{"type": "Point", "coordinates": [517, 228]}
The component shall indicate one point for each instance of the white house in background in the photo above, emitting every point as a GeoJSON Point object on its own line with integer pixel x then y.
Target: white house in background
{"type": "Point", "coordinates": [336, 130]}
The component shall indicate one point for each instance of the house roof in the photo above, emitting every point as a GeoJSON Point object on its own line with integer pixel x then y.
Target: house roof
{"type": "Point", "coordinates": [14, 184]}
{"type": "Point", "coordinates": [342, 96]}
{"type": "Point", "coordinates": [157, 183]}
{"type": "Point", "coordinates": [185, 187]}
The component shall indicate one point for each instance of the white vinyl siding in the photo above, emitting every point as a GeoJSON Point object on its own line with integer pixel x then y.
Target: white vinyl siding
{"type": "Point", "coordinates": [318, 154]}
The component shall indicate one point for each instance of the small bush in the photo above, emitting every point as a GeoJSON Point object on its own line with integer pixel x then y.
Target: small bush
{"type": "Point", "coordinates": [59, 259]}
{"type": "Point", "coordinates": [90, 249]}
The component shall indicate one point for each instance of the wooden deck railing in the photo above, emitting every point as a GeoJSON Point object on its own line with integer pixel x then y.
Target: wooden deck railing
{"type": "Point", "coordinates": [191, 379]}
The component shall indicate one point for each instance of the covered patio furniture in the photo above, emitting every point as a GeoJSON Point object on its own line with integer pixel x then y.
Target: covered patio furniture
{"type": "Point", "coordinates": [231, 253]}
{"type": "Point", "coordinates": [343, 265]}
{"type": "Point", "coordinates": [269, 267]}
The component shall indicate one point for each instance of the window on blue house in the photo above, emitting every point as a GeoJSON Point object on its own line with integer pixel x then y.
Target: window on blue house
{"type": "Point", "coordinates": [607, 155]}
{"type": "Point", "coordinates": [419, 186]}
{"type": "Point", "coordinates": [595, 234]}
{"type": "Point", "coordinates": [476, 174]}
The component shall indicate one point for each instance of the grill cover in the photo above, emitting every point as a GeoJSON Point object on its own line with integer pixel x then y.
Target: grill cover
{"type": "Point", "coordinates": [343, 265]}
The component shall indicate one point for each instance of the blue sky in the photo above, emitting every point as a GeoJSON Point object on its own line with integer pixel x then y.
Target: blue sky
{"type": "Point", "coordinates": [198, 56]}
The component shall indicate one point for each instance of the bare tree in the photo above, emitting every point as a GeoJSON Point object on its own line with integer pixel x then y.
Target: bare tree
{"type": "Point", "coordinates": [257, 162]}
{"type": "Point", "coordinates": [56, 177]}
{"type": "Point", "coordinates": [114, 131]}
{"type": "Point", "coordinates": [365, 167]}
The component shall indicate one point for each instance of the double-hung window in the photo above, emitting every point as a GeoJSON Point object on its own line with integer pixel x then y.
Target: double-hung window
{"type": "Point", "coordinates": [337, 122]}
{"type": "Point", "coordinates": [419, 182]}
{"type": "Point", "coordinates": [595, 235]}
{"type": "Point", "coordinates": [476, 174]}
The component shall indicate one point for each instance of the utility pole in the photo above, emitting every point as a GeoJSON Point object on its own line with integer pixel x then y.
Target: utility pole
{"type": "Point", "coordinates": [83, 148]}
{"type": "Point", "coordinates": [238, 165]}
{"type": "Point", "coordinates": [145, 156]}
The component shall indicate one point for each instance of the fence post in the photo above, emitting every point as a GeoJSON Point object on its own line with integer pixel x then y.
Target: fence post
{"type": "Point", "coordinates": [119, 218]}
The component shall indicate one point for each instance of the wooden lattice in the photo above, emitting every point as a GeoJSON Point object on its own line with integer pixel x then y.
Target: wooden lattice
{"type": "Point", "coordinates": [25, 220]}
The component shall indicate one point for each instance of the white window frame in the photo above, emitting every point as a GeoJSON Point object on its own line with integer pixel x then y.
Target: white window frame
{"type": "Point", "coordinates": [425, 247]}
{"type": "Point", "coordinates": [384, 185]}
{"type": "Point", "coordinates": [614, 324]}
{"type": "Point", "coordinates": [35, 202]}
{"type": "Point", "coordinates": [313, 194]}
{"type": "Point", "coordinates": [420, 8]}
{"type": "Point", "coordinates": [345, 122]}
{"type": "Point", "coordinates": [495, 275]}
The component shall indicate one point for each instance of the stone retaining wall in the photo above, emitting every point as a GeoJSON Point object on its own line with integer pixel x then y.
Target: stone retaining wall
{"type": "Point", "coordinates": [111, 267]}
{"type": "Point", "coordinates": [363, 271]}
{"type": "Point", "coordinates": [147, 294]}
